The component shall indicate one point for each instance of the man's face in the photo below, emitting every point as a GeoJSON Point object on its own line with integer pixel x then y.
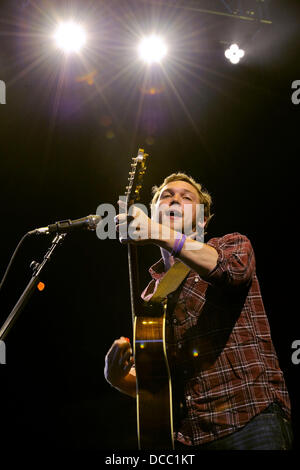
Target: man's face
{"type": "Point", "coordinates": [178, 206]}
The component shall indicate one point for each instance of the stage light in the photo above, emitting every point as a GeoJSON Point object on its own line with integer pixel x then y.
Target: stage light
{"type": "Point", "coordinates": [234, 54]}
{"type": "Point", "coordinates": [70, 37]}
{"type": "Point", "coordinates": [152, 49]}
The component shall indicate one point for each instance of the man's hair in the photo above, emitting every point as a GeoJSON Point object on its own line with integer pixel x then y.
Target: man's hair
{"type": "Point", "coordinates": [204, 196]}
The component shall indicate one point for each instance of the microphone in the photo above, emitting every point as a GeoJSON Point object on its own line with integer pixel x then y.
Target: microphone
{"type": "Point", "coordinates": [90, 223]}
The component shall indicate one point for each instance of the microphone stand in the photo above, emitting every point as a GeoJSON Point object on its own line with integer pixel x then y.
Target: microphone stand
{"type": "Point", "coordinates": [29, 289]}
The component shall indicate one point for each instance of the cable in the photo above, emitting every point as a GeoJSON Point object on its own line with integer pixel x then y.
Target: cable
{"type": "Point", "coordinates": [12, 258]}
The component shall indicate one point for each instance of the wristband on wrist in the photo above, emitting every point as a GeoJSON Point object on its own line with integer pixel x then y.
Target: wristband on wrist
{"type": "Point", "coordinates": [181, 244]}
{"type": "Point", "coordinates": [179, 241]}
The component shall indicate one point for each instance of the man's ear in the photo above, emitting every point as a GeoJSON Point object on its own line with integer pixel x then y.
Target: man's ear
{"type": "Point", "coordinates": [201, 224]}
{"type": "Point", "coordinates": [201, 219]}
{"type": "Point", "coordinates": [200, 230]}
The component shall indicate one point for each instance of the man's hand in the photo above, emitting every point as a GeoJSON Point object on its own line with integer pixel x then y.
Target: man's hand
{"type": "Point", "coordinates": [118, 361]}
{"type": "Point", "coordinates": [135, 227]}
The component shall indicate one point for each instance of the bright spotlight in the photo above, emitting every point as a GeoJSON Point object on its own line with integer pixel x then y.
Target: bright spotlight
{"type": "Point", "coordinates": [152, 49]}
{"type": "Point", "coordinates": [234, 54]}
{"type": "Point", "coordinates": [70, 37]}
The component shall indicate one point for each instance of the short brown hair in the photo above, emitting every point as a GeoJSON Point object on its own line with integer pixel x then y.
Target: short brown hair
{"type": "Point", "coordinates": [204, 196]}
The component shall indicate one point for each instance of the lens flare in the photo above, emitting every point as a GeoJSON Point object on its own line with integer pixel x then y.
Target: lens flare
{"type": "Point", "coordinates": [152, 49]}
{"type": "Point", "coordinates": [70, 37]}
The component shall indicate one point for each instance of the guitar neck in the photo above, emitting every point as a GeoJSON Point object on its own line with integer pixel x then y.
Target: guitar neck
{"type": "Point", "coordinates": [138, 168]}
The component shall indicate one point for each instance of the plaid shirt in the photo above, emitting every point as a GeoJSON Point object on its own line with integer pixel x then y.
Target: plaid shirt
{"type": "Point", "coordinates": [224, 366]}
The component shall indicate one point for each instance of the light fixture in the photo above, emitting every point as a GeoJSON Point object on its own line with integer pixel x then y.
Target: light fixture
{"type": "Point", "coordinates": [152, 49]}
{"type": "Point", "coordinates": [70, 37]}
{"type": "Point", "coordinates": [234, 54]}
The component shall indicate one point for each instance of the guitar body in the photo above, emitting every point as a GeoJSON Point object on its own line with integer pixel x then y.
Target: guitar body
{"type": "Point", "coordinates": [154, 390]}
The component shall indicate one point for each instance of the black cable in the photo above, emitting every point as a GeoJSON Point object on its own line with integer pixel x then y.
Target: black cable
{"type": "Point", "coordinates": [12, 258]}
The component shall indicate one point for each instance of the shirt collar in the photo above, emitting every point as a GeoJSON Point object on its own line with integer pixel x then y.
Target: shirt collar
{"type": "Point", "coordinates": [157, 270]}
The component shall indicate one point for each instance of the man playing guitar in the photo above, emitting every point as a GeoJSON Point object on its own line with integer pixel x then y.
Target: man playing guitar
{"type": "Point", "coordinates": [228, 389]}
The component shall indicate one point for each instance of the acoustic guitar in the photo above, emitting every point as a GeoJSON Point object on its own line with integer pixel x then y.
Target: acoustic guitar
{"type": "Point", "coordinates": [154, 390]}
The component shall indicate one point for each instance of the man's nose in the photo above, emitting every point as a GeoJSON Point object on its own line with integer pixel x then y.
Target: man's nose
{"type": "Point", "coordinates": [176, 199]}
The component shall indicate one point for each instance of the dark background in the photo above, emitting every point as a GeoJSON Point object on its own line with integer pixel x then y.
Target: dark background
{"type": "Point", "coordinates": [66, 146]}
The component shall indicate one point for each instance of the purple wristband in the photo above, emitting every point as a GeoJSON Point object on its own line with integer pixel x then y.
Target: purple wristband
{"type": "Point", "coordinates": [180, 239]}
{"type": "Point", "coordinates": [181, 244]}
{"type": "Point", "coordinates": [177, 241]}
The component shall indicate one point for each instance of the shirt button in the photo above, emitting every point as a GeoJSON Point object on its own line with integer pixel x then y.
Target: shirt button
{"type": "Point", "coordinates": [188, 397]}
{"type": "Point", "coordinates": [197, 279]}
{"type": "Point", "coordinates": [179, 346]}
{"type": "Point", "coordinates": [174, 320]}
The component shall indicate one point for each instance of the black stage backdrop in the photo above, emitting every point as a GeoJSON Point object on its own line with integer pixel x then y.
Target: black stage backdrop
{"type": "Point", "coordinates": [68, 130]}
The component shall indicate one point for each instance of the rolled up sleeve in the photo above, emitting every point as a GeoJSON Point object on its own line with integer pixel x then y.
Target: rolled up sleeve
{"type": "Point", "coordinates": [236, 260]}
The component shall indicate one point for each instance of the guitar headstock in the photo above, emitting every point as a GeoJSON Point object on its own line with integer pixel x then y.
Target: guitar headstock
{"type": "Point", "coordinates": [135, 178]}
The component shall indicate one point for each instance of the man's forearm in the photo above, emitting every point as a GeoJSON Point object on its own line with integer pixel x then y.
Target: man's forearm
{"type": "Point", "coordinates": [200, 257]}
{"type": "Point", "coordinates": [128, 384]}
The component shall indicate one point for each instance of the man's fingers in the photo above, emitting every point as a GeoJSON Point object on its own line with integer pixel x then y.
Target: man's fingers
{"type": "Point", "coordinates": [126, 355]}
{"type": "Point", "coordinates": [123, 220]}
{"type": "Point", "coordinates": [128, 365]}
{"type": "Point", "coordinates": [119, 218]}
{"type": "Point", "coordinates": [124, 225]}
{"type": "Point", "coordinates": [118, 347]}
{"type": "Point", "coordinates": [122, 346]}
{"type": "Point", "coordinates": [122, 205]}
{"type": "Point", "coordinates": [118, 360]}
